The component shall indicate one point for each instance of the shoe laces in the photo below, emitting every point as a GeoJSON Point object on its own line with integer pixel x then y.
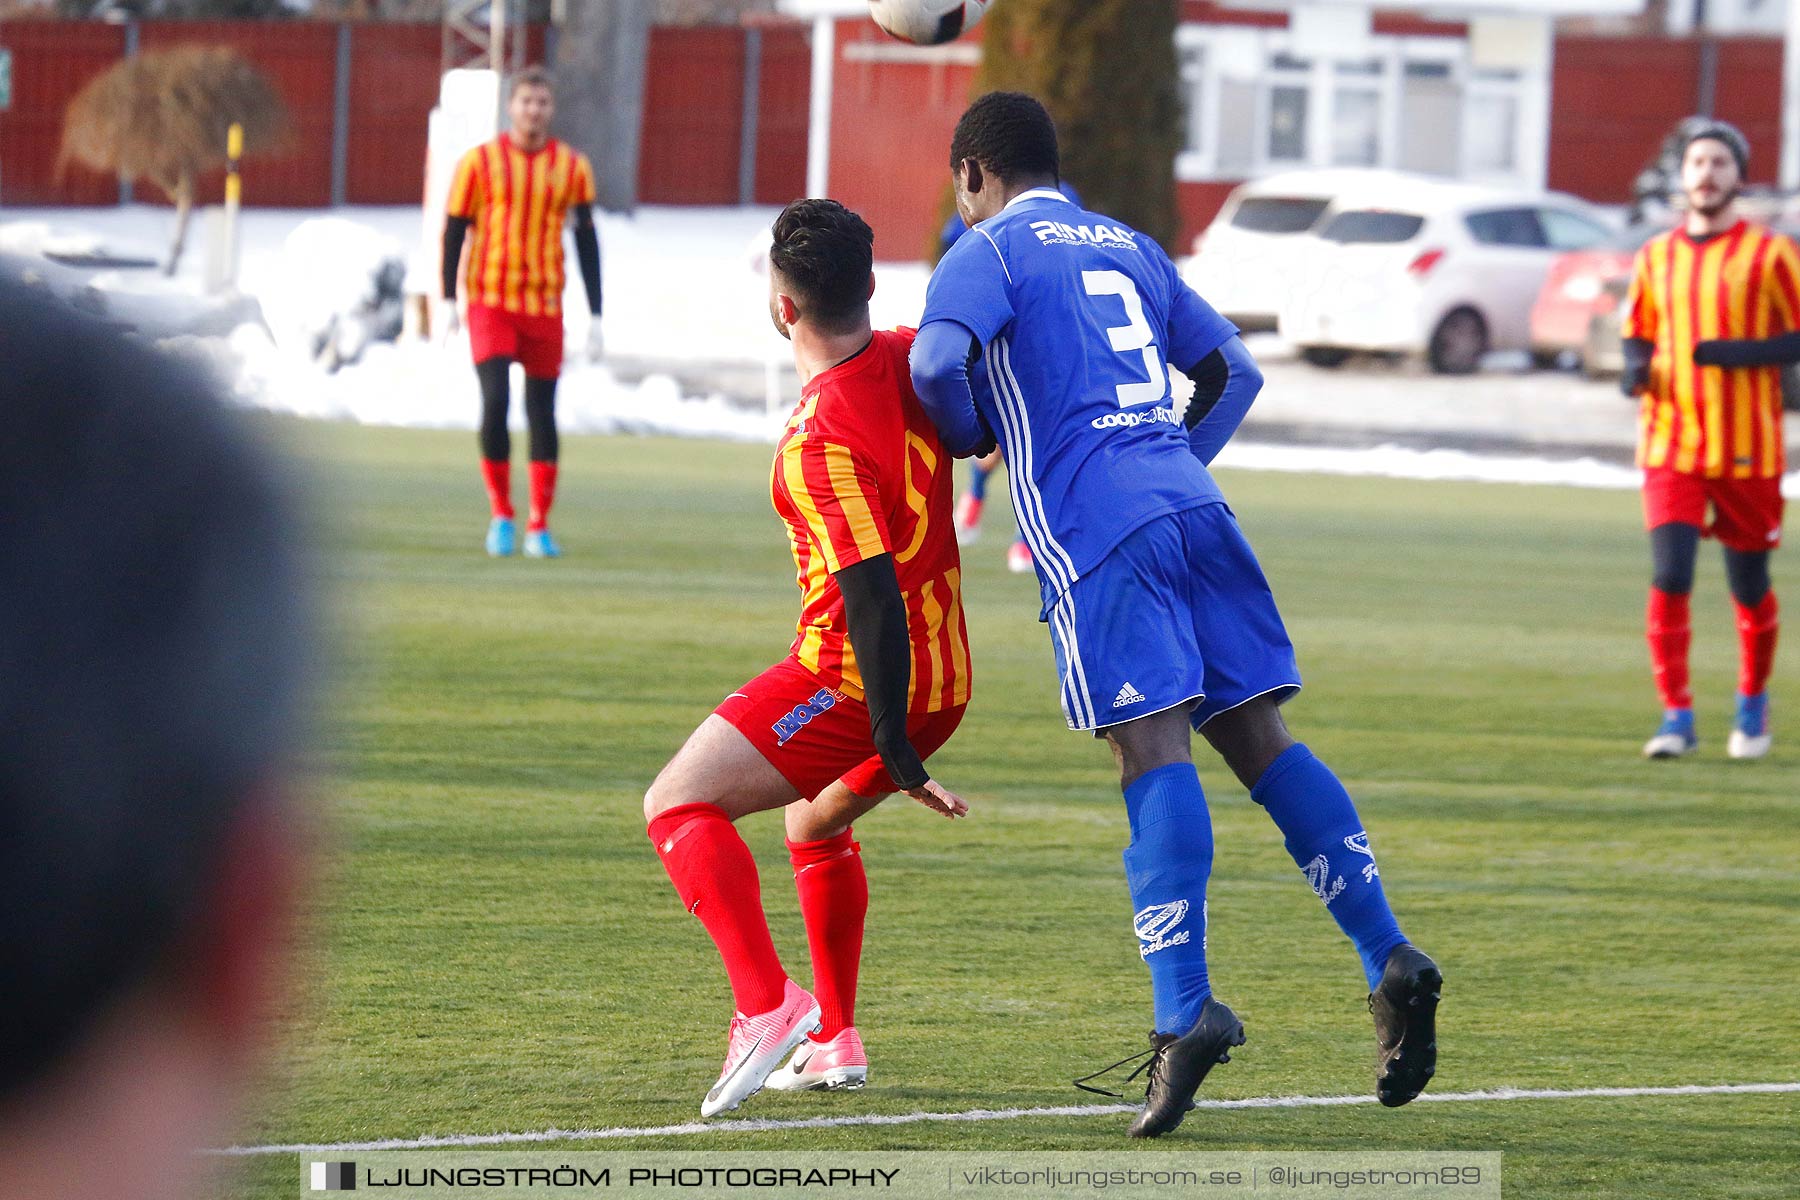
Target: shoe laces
{"type": "Point", "coordinates": [1153, 1057]}
{"type": "Point", "coordinates": [734, 1038]}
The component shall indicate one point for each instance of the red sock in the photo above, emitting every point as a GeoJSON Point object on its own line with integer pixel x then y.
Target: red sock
{"type": "Point", "coordinates": [716, 879]}
{"type": "Point", "coordinates": [834, 899]}
{"type": "Point", "coordinates": [543, 494]}
{"type": "Point", "coordinates": [497, 474]}
{"type": "Point", "coordinates": [1757, 630]}
{"type": "Point", "coordinates": [1666, 626]}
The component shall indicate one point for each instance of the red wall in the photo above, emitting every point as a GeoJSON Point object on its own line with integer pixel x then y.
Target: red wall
{"type": "Point", "coordinates": [688, 155]}
{"type": "Point", "coordinates": [891, 122]}
{"type": "Point", "coordinates": [783, 114]}
{"type": "Point", "coordinates": [890, 139]}
{"type": "Point", "coordinates": [693, 117]}
{"type": "Point", "coordinates": [393, 88]}
{"type": "Point", "coordinates": [1602, 134]}
{"type": "Point", "coordinates": [1196, 204]}
{"type": "Point", "coordinates": [1748, 94]}
{"type": "Point", "coordinates": [51, 60]}
{"type": "Point", "coordinates": [300, 59]}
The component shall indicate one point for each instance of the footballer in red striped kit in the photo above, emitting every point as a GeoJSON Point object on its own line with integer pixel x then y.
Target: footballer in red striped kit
{"type": "Point", "coordinates": [876, 680]}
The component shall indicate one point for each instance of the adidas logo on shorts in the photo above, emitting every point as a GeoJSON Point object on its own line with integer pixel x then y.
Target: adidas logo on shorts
{"type": "Point", "coordinates": [1128, 695]}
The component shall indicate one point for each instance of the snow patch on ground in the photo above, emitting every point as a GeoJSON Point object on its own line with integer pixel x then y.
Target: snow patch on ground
{"type": "Point", "coordinates": [680, 283]}
{"type": "Point", "coordinates": [1400, 462]}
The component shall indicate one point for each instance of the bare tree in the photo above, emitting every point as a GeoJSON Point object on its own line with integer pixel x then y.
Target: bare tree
{"type": "Point", "coordinates": [164, 115]}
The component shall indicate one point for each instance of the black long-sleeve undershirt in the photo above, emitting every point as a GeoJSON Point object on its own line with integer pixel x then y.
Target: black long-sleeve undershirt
{"type": "Point", "coordinates": [875, 615]}
{"type": "Point", "coordinates": [1637, 353]}
{"type": "Point", "coordinates": [1777, 351]}
{"type": "Point", "coordinates": [1210, 375]}
{"type": "Point", "coordinates": [587, 254]}
{"type": "Point", "coordinates": [455, 230]}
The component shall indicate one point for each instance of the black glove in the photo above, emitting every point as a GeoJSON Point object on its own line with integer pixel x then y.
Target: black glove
{"type": "Point", "coordinates": [989, 443]}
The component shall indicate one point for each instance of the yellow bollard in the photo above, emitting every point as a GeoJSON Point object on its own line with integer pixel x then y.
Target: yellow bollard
{"type": "Point", "coordinates": [234, 193]}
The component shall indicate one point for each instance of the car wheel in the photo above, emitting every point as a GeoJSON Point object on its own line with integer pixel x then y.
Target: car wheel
{"type": "Point", "coordinates": [1324, 356]}
{"type": "Point", "coordinates": [1548, 360]}
{"type": "Point", "coordinates": [1459, 343]}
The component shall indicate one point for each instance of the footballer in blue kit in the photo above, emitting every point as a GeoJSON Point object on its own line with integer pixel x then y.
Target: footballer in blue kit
{"type": "Point", "coordinates": [1159, 614]}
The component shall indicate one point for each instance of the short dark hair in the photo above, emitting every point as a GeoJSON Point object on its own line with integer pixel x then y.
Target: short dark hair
{"type": "Point", "coordinates": [1008, 133]}
{"type": "Point", "coordinates": [825, 253]}
{"type": "Point", "coordinates": [531, 77]}
{"type": "Point", "coordinates": [152, 659]}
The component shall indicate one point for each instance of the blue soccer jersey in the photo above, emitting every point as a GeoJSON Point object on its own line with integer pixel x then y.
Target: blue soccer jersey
{"type": "Point", "coordinates": [1080, 318]}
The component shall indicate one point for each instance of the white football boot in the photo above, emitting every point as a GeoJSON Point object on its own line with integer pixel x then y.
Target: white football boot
{"type": "Point", "coordinates": [1750, 736]}
{"type": "Point", "coordinates": [756, 1045]}
{"type": "Point", "coordinates": [837, 1065]}
{"type": "Point", "coordinates": [1675, 737]}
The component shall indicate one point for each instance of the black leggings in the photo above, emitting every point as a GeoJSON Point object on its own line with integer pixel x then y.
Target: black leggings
{"type": "Point", "coordinates": [496, 399]}
{"type": "Point", "coordinates": [1673, 549]}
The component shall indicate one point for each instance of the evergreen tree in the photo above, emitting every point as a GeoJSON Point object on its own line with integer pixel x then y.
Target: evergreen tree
{"type": "Point", "coordinates": [1106, 70]}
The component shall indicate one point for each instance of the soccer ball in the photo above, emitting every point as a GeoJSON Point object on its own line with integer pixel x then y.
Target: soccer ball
{"type": "Point", "coordinates": [927, 22]}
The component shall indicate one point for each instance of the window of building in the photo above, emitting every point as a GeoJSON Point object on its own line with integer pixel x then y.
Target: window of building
{"type": "Point", "coordinates": [1412, 103]}
{"type": "Point", "coordinates": [1355, 127]}
{"type": "Point", "coordinates": [1430, 118]}
{"type": "Point", "coordinates": [1287, 122]}
{"type": "Point", "coordinates": [1491, 133]}
{"type": "Point", "coordinates": [1195, 117]}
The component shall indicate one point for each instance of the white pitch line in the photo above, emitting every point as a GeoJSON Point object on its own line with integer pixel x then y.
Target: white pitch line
{"type": "Point", "coordinates": [453, 1141]}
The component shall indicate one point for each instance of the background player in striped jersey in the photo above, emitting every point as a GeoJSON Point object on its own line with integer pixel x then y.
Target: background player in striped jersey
{"type": "Point", "coordinates": [876, 680]}
{"type": "Point", "coordinates": [1713, 310]}
{"type": "Point", "coordinates": [1159, 614]}
{"type": "Point", "coordinates": [515, 194]}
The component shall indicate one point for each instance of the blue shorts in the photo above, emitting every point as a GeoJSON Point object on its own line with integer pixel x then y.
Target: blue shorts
{"type": "Point", "coordinates": [1179, 611]}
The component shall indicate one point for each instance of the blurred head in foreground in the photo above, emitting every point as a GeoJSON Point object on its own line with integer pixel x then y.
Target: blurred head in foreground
{"type": "Point", "coordinates": [154, 636]}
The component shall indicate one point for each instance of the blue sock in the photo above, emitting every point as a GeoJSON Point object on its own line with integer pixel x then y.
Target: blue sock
{"type": "Point", "coordinates": [978, 482]}
{"type": "Point", "coordinates": [1326, 838]}
{"type": "Point", "coordinates": [1167, 865]}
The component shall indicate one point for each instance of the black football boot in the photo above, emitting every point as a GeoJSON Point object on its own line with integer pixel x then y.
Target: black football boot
{"type": "Point", "coordinates": [1405, 1007]}
{"type": "Point", "coordinates": [1178, 1065]}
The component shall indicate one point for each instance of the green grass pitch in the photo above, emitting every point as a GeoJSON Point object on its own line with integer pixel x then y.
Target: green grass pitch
{"type": "Point", "coordinates": [499, 950]}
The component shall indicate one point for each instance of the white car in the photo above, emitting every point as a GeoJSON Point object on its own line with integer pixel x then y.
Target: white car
{"type": "Point", "coordinates": [1242, 260]}
{"type": "Point", "coordinates": [1444, 270]}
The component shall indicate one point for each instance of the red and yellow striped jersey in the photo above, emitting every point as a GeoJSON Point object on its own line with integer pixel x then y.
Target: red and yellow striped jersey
{"type": "Point", "coordinates": [518, 203]}
{"type": "Point", "coordinates": [1712, 421]}
{"type": "Point", "coordinates": [860, 472]}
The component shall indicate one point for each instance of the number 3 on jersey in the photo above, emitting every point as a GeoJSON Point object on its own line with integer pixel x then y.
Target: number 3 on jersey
{"type": "Point", "coordinates": [1135, 334]}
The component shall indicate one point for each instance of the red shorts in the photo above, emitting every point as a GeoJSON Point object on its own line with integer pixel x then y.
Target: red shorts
{"type": "Point", "coordinates": [815, 735]}
{"type": "Point", "coordinates": [535, 343]}
{"type": "Point", "coordinates": [1746, 513]}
